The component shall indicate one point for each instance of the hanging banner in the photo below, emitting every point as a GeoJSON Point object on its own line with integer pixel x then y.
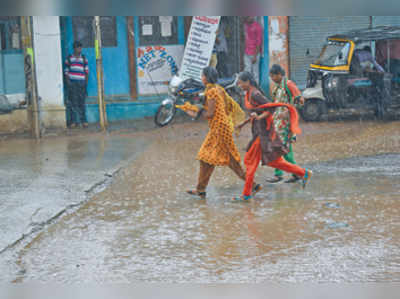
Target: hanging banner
{"type": "Point", "coordinates": [199, 46]}
{"type": "Point", "coordinates": [156, 67]}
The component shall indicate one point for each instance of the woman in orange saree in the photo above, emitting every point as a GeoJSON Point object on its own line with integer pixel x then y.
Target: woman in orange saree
{"type": "Point", "coordinates": [268, 145]}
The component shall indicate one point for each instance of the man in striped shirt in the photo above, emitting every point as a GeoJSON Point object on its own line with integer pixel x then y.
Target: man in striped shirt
{"type": "Point", "coordinates": [76, 78]}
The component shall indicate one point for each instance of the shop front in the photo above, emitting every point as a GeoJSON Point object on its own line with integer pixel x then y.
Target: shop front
{"type": "Point", "coordinates": [140, 56]}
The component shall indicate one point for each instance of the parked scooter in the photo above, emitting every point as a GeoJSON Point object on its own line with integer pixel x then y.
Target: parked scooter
{"type": "Point", "coordinates": [181, 91]}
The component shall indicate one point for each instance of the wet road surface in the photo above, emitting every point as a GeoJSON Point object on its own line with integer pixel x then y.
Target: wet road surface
{"type": "Point", "coordinates": [345, 227]}
{"type": "Point", "coordinates": [42, 180]}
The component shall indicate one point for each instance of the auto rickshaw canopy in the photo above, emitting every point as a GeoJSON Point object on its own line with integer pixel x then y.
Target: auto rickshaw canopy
{"type": "Point", "coordinates": [369, 34]}
{"type": "Point", "coordinates": [349, 41]}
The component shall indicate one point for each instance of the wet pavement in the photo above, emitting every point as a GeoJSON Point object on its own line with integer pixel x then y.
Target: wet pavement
{"type": "Point", "coordinates": [42, 180]}
{"type": "Point", "coordinates": [344, 227]}
{"type": "Point", "coordinates": [141, 226]}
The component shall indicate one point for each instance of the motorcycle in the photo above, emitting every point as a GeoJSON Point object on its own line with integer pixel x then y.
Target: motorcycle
{"type": "Point", "coordinates": [181, 91]}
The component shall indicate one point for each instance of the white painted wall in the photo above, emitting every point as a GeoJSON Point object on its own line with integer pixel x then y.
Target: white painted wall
{"type": "Point", "coordinates": [276, 39]}
{"type": "Point", "coordinates": [48, 59]}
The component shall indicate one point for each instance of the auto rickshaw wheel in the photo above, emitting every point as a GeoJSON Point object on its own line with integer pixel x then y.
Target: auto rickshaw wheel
{"type": "Point", "coordinates": [313, 109]}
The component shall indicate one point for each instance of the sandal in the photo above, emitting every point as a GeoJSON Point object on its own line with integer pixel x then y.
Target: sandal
{"type": "Point", "coordinates": [275, 179]}
{"type": "Point", "coordinates": [293, 179]}
{"type": "Point", "coordinates": [307, 178]}
{"type": "Point", "coordinates": [257, 188]}
{"type": "Point", "coordinates": [243, 198]}
{"type": "Point", "coordinates": [197, 193]}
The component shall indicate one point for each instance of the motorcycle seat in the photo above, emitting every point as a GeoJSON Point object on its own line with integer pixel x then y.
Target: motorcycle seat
{"type": "Point", "coordinates": [191, 83]}
{"type": "Point", "coordinates": [225, 81]}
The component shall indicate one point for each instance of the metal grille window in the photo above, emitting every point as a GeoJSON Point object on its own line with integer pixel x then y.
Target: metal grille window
{"type": "Point", "coordinates": [83, 31]}
{"type": "Point", "coordinates": [158, 30]}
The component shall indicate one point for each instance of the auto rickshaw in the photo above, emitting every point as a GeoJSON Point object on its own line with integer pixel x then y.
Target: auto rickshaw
{"type": "Point", "coordinates": [356, 71]}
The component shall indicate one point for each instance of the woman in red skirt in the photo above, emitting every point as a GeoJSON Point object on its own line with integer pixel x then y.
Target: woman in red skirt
{"type": "Point", "coordinates": [269, 143]}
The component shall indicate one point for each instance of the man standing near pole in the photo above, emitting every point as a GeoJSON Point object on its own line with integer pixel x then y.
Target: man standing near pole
{"type": "Point", "coordinates": [76, 78]}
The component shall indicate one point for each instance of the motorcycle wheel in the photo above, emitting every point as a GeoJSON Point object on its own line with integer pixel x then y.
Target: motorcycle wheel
{"type": "Point", "coordinates": [165, 114]}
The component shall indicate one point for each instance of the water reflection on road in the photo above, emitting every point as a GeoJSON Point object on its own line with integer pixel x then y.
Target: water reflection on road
{"type": "Point", "coordinates": [343, 227]}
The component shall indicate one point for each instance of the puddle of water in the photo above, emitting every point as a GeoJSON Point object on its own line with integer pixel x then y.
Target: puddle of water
{"type": "Point", "coordinates": [343, 227]}
{"type": "Point", "coordinates": [332, 205]}
{"type": "Point", "coordinates": [333, 224]}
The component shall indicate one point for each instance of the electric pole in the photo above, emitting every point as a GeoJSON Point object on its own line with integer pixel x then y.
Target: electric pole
{"type": "Point", "coordinates": [99, 71]}
{"type": "Point", "coordinates": [30, 75]}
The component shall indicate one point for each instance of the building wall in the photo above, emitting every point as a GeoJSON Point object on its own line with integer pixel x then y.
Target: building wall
{"type": "Point", "coordinates": [118, 75]}
{"type": "Point", "coordinates": [12, 77]}
{"type": "Point", "coordinates": [47, 55]}
{"type": "Point", "coordinates": [115, 62]}
{"type": "Point", "coordinates": [386, 20]}
{"type": "Point", "coordinates": [278, 41]}
{"type": "Point", "coordinates": [14, 122]}
{"type": "Point", "coordinates": [141, 105]}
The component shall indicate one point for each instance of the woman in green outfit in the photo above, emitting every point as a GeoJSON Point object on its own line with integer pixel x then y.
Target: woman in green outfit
{"type": "Point", "coordinates": [285, 91]}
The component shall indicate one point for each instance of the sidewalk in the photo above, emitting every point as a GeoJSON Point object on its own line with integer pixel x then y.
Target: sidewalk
{"type": "Point", "coordinates": [131, 126]}
{"type": "Point", "coordinates": [42, 179]}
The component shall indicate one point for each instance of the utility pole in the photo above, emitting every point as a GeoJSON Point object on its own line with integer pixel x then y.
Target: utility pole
{"type": "Point", "coordinates": [30, 75]}
{"type": "Point", "coordinates": [99, 70]}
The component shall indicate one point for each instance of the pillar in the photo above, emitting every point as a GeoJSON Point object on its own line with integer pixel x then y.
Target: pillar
{"type": "Point", "coordinates": [49, 70]}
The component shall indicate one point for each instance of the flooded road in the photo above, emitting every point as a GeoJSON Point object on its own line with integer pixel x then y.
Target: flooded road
{"type": "Point", "coordinates": [345, 227]}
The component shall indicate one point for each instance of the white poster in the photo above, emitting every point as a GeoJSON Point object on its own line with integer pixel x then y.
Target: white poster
{"type": "Point", "coordinates": [166, 29]}
{"type": "Point", "coordinates": [147, 29]}
{"type": "Point", "coordinates": [199, 46]}
{"type": "Point", "coordinates": [156, 66]}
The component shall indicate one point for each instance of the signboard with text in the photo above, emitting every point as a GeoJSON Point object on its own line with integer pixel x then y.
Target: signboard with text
{"type": "Point", "coordinates": [156, 66]}
{"type": "Point", "coordinates": [199, 46]}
